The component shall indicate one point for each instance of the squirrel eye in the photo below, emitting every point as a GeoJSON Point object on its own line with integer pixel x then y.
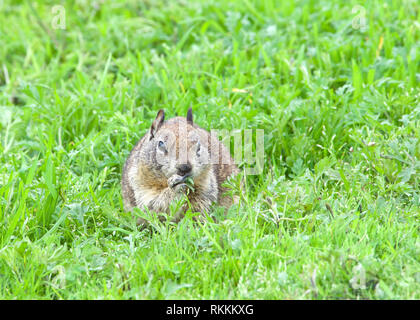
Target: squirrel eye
{"type": "Point", "coordinates": [161, 145]}
{"type": "Point", "coordinates": [198, 148]}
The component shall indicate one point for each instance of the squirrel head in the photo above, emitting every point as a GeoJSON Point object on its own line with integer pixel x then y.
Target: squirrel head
{"type": "Point", "coordinates": [177, 148]}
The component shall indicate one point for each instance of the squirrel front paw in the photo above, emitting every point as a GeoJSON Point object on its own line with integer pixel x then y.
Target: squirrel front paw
{"type": "Point", "coordinates": [180, 188]}
{"type": "Point", "coordinates": [176, 184]}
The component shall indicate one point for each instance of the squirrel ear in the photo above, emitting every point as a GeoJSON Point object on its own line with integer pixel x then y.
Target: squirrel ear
{"type": "Point", "coordinates": [157, 123]}
{"type": "Point", "coordinates": [189, 116]}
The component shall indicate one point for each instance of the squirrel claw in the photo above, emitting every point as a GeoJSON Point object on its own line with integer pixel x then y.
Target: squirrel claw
{"type": "Point", "coordinates": [176, 184]}
{"type": "Point", "coordinates": [180, 188]}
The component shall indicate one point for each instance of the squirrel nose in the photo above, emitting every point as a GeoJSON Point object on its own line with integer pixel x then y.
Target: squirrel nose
{"type": "Point", "coordinates": [184, 169]}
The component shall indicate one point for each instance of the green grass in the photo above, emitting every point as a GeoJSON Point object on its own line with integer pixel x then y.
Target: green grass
{"type": "Point", "coordinates": [339, 197]}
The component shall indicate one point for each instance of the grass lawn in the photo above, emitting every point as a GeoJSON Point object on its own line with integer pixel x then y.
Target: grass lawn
{"type": "Point", "coordinates": [333, 84]}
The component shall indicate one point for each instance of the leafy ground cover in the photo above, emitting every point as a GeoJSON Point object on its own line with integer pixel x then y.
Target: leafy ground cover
{"type": "Point", "coordinates": [333, 84]}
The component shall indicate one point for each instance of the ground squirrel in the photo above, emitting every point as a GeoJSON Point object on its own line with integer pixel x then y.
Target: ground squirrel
{"type": "Point", "coordinates": [171, 152]}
